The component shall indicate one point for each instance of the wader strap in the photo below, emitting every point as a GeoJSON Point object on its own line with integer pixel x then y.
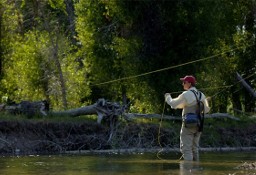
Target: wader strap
{"type": "Point", "coordinates": [200, 114]}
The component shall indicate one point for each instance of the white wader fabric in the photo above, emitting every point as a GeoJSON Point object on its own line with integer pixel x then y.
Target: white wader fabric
{"type": "Point", "coordinates": [189, 143]}
{"type": "Point", "coordinates": [189, 137]}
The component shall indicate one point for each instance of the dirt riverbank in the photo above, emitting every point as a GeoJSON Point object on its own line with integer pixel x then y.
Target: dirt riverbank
{"type": "Point", "coordinates": [41, 137]}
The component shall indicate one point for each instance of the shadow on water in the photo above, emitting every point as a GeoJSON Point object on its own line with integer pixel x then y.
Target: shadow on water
{"type": "Point", "coordinates": [127, 164]}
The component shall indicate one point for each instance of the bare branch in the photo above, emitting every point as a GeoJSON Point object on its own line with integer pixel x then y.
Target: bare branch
{"type": "Point", "coordinates": [246, 85]}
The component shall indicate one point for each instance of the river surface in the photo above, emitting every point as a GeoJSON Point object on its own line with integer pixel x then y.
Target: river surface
{"type": "Point", "coordinates": [127, 164]}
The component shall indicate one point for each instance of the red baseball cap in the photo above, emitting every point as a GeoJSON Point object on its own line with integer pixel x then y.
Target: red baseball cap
{"type": "Point", "coordinates": [189, 78]}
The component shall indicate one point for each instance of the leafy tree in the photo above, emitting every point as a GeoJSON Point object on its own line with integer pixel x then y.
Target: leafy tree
{"type": "Point", "coordinates": [164, 33]}
{"type": "Point", "coordinates": [42, 61]}
{"type": "Point", "coordinates": [10, 25]}
{"type": "Point", "coordinates": [239, 44]}
{"type": "Point", "coordinates": [74, 52]}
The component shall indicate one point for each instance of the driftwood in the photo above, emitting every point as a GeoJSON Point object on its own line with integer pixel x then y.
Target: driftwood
{"type": "Point", "coordinates": [106, 109]}
{"type": "Point", "coordinates": [102, 108]}
{"type": "Point", "coordinates": [247, 86]}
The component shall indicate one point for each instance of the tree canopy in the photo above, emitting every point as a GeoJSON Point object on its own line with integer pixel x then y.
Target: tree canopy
{"type": "Point", "coordinates": [73, 52]}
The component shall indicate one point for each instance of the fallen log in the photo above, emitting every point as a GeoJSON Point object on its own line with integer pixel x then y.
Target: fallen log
{"type": "Point", "coordinates": [27, 108]}
{"type": "Point", "coordinates": [221, 115]}
{"type": "Point", "coordinates": [86, 110]}
{"type": "Point", "coordinates": [102, 108]}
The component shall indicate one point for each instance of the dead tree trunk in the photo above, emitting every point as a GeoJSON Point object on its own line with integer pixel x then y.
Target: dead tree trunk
{"type": "Point", "coordinates": [102, 108]}
{"type": "Point", "coordinates": [61, 77]}
{"type": "Point", "coordinates": [54, 39]}
{"type": "Point", "coordinates": [109, 111]}
{"type": "Point", "coordinates": [247, 87]}
{"type": "Point", "coordinates": [87, 110]}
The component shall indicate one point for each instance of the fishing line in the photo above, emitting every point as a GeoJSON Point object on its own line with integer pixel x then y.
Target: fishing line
{"type": "Point", "coordinates": [159, 132]}
{"type": "Point", "coordinates": [158, 137]}
{"type": "Point", "coordinates": [218, 87]}
{"type": "Point", "coordinates": [168, 68]}
{"type": "Point", "coordinates": [231, 85]}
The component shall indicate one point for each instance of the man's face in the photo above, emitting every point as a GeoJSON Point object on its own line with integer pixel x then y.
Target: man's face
{"type": "Point", "coordinates": [186, 85]}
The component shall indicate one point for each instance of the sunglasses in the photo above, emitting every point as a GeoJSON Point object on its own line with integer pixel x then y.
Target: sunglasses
{"type": "Point", "coordinates": [184, 82]}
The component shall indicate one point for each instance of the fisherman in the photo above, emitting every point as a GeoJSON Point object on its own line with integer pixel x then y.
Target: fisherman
{"type": "Point", "coordinates": [189, 136]}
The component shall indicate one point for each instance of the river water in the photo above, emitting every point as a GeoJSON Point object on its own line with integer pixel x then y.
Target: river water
{"type": "Point", "coordinates": [127, 164]}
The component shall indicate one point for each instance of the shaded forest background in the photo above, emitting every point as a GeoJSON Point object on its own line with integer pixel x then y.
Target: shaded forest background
{"type": "Point", "coordinates": [73, 52]}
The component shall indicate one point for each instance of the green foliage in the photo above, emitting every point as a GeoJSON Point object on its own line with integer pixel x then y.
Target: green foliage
{"type": "Point", "coordinates": [80, 51]}
{"type": "Point", "coordinates": [30, 72]}
{"type": "Point", "coordinates": [23, 70]}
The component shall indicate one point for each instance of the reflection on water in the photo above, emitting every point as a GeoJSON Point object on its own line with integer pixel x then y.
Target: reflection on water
{"type": "Point", "coordinates": [190, 167]}
{"type": "Point", "coordinates": [126, 164]}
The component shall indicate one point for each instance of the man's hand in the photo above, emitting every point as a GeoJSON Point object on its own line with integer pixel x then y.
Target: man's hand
{"type": "Point", "coordinates": [208, 99]}
{"type": "Point", "coordinates": [167, 97]}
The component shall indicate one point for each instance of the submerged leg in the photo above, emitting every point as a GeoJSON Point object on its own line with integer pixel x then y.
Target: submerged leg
{"type": "Point", "coordinates": [196, 146]}
{"type": "Point", "coordinates": [186, 143]}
